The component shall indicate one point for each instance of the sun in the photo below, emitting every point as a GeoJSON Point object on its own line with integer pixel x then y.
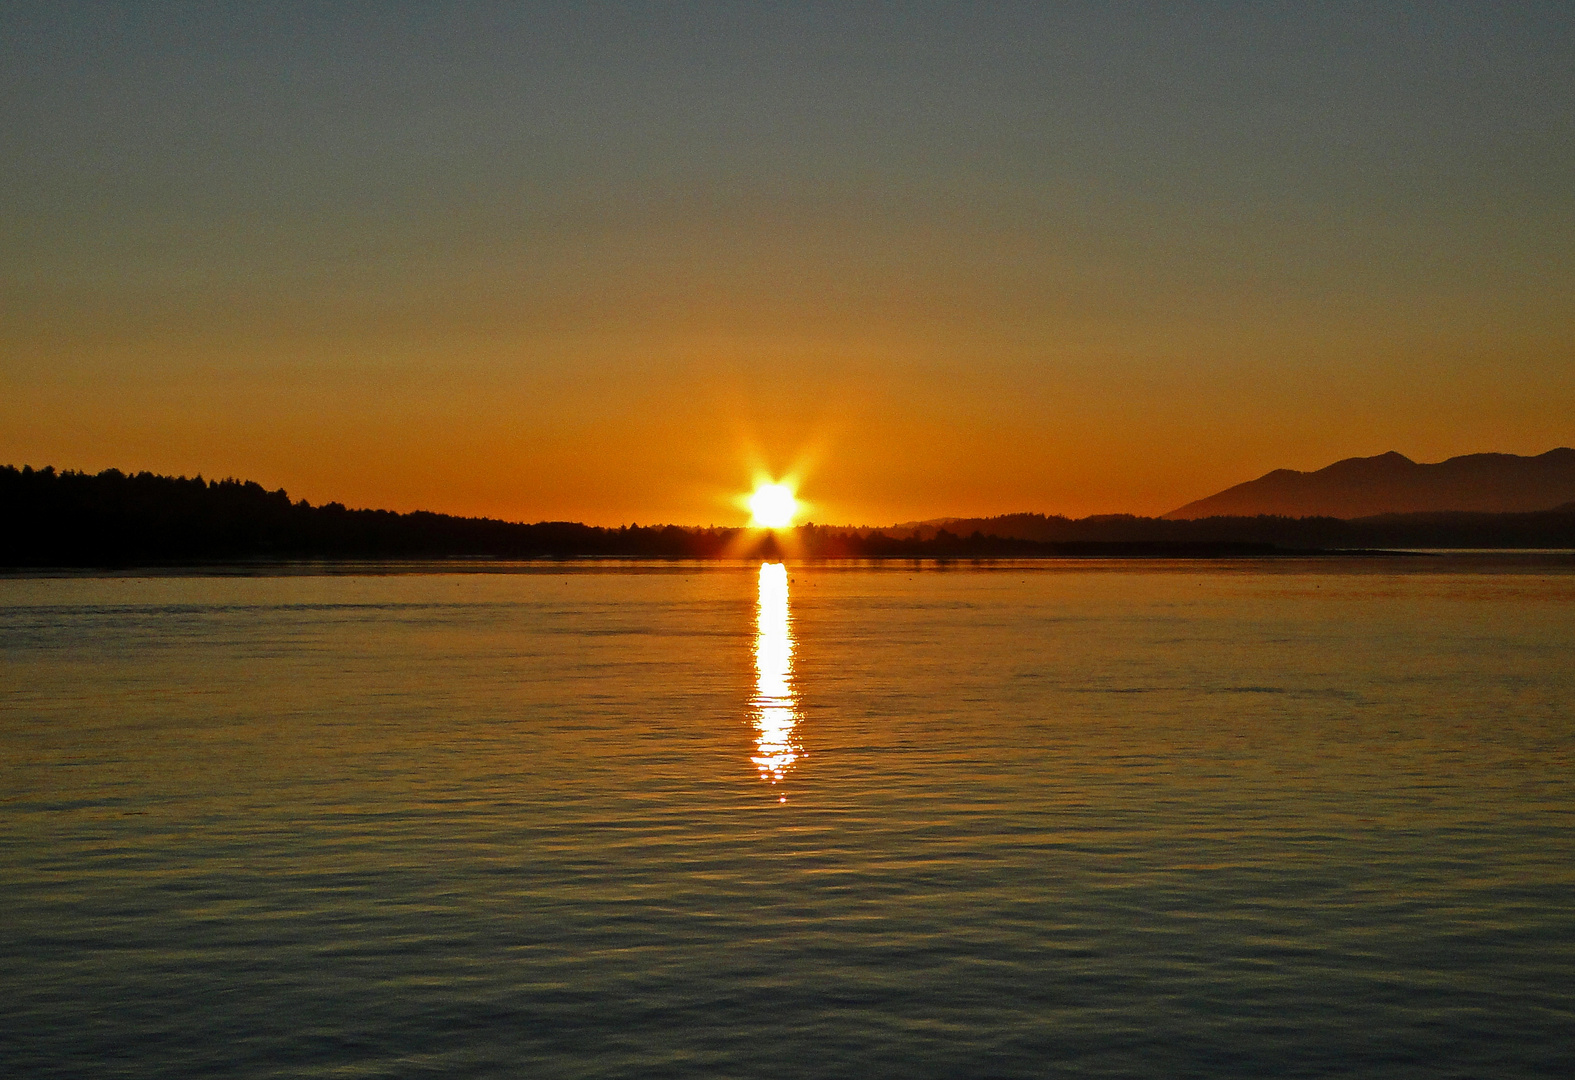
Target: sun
{"type": "Point", "coordinates": [772, 506]}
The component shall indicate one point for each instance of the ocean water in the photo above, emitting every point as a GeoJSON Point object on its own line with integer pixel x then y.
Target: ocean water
{"type": "Point", "coordinates": [1305, 818]}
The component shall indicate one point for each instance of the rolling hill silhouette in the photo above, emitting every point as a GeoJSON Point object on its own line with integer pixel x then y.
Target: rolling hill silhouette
{"type": "Point", "coordinates": [1394, 484]}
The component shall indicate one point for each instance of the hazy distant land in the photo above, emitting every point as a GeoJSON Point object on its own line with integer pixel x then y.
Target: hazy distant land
{"type": "Point", "coordinates": [76, 519]}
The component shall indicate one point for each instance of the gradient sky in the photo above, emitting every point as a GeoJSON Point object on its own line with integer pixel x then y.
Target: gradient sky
{"type": "Point", "coordinates": [602, 262]}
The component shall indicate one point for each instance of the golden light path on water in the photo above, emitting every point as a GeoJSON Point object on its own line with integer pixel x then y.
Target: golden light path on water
{"type": "Point", "coordinates": [774, 710]}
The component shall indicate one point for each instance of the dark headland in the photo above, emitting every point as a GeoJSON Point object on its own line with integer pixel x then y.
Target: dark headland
{"type": "Point", "coordinates": [72, 519]}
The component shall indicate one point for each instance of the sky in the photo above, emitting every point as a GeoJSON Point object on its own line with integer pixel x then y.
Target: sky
{"type": "Point", "coordinates": [612, 263]}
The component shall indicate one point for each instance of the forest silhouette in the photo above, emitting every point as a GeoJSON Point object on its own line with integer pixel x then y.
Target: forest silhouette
{"type": "Point", "coordinates": [112, 518]}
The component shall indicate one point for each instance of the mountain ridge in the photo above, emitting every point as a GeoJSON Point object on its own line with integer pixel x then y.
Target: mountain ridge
{"type": "Point", "coordinates": [1391, 483]}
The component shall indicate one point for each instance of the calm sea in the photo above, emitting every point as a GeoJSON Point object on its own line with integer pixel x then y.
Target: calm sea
{"type": "Point", "coordinates": [1309, 818]}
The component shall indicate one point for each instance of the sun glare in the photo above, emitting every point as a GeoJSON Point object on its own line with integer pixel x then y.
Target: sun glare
{"type": "Point", "coordinates": [772, 506]}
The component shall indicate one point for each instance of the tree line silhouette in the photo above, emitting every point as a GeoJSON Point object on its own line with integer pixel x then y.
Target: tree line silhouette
{"type": "Point", "coordinates": [1553, 528]}
{"type": "Point", "coordinates": [119, 519]}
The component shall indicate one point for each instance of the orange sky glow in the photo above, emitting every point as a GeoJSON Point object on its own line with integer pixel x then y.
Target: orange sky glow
{"type": "Point", "coordinates": [611, 267]}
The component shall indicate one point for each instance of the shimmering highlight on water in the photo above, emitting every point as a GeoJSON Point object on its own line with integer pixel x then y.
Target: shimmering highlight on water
{"type": "Point", "coordinates": [1234, 820]}
{"type": "Point", "coordinates": [775, 711]}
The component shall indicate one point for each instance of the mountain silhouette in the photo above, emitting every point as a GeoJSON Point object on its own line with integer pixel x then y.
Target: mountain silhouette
{"type": "Point", "coordinates": [1394, 484]}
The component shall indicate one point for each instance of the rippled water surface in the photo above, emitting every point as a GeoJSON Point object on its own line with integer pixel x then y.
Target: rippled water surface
{"type": "Point", "coordinates": [1306, 818]}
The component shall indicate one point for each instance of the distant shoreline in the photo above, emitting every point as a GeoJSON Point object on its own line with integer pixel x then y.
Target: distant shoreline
{"type": "Point", "coordinates": [1490, 561]}
{"type": "Point", "coordinates": [485, 564]}
{"type": "Point", "coordinates": [114, 520]}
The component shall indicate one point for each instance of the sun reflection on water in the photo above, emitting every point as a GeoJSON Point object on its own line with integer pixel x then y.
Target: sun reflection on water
{"type": "Point", "coordinates": [774, 710]}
